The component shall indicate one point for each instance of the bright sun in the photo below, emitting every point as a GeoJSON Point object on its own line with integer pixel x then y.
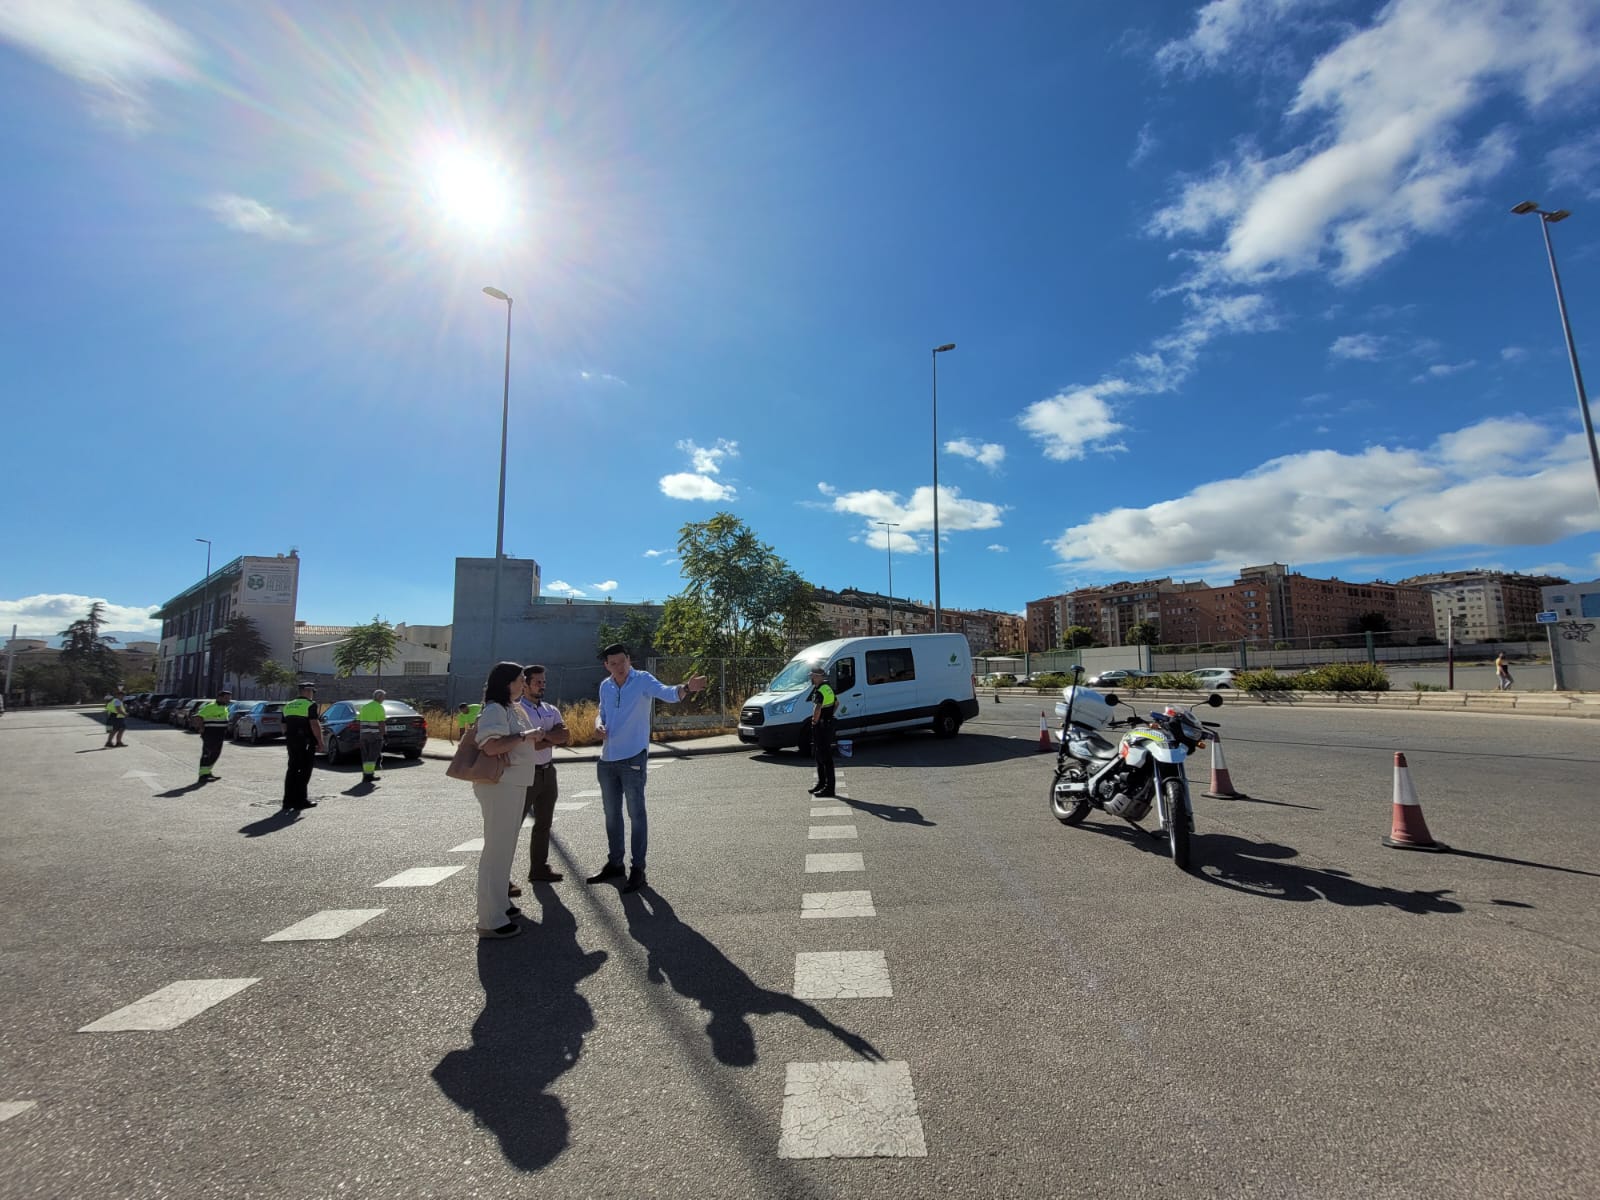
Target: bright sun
{"type": "Point", "coordinates": [471, 190]}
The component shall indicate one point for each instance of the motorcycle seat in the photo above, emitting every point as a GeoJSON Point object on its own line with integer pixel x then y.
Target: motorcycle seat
{"type": "Point", "coordinates": [1097, 745]}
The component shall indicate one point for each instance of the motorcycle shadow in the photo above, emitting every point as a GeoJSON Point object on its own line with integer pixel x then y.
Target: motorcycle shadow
{"type": "Point", "coordinates": [1263, 869]}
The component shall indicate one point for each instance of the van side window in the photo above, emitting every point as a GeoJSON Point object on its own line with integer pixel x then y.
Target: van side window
{"type": "Point", "coordinates": [844, 674]}
{"type": "Point", "coordinates": [890, 666]}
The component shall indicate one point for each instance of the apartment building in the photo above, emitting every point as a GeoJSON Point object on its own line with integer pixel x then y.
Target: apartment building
{"type": "Point", "coordinates": [256, 586]}
{"type": "Point", "coordinates": [1483, 604]}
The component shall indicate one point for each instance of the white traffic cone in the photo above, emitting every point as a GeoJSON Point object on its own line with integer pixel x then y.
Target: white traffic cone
{"type": "Point", "coordinates": [1407, 829]}
{"type": "Point", "coordinates": [1221, 783]}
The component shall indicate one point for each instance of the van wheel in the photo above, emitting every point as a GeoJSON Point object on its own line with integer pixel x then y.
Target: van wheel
{"type": "Point", "coordinates": [947, 721]}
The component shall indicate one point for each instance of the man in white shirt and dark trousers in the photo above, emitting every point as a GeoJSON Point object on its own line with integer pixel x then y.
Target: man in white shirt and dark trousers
{"type": "Point", "coordinates": [624, 726]}
{"type": "Point", "coordinates": [541, 802]}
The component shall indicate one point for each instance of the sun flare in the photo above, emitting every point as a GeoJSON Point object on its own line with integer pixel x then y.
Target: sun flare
{"type": "Point", "coordinates": [470, 189]}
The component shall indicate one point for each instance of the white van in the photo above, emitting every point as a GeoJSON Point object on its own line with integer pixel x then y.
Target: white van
{"type": "Point", "coordinates": [915, 681]}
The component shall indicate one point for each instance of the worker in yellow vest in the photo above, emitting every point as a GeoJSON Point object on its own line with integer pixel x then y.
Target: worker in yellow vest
{"type": "Point", "coordinates": [116, 720]}
{"type": "Point", "coordinates": [302, 730]}
{"type": "Point", "coordinates": [212, 717]}
{"type": "Point", "coordinates": [371, 716]}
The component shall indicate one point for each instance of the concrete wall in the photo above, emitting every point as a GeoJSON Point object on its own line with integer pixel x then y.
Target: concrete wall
{"type": "Point", "coordinates": [1575, 637]}
{"type": "Point", "coordinates": [564, 637]}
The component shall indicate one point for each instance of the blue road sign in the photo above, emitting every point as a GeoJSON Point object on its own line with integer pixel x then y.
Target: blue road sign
{"type": "Point", "coordinates": [1547, 618]}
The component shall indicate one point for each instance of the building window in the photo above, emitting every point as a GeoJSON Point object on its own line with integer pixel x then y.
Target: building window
{"type": "Point", "coordinates": [415, 668]}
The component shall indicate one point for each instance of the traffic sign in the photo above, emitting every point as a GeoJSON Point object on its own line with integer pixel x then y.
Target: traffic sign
{"type": "Point", "coordinates": [1547, 618]}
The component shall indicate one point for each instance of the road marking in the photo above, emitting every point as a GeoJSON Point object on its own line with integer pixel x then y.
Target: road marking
{"type": "Point", "coordinates": [420, 876]}
{"type": "Point", "coordinates": [831, 810]}
{"type": "Point", "coordinates": [837, 904]}
{"type": "Point", "coordinates": [819, 864]}
{"type": "Point", "coordinates": [170, 1007]}
{"type": "Point", "coordinates": [15, 1108]}
{"type": "Point", "coordinates": [571, 805]}
{"type": "Point", "coordinates": [841, 974]}
{"type": "Point", "coordinates": [151, 779]}
{"type": "Point", "coordinates": [326, 925]}
{"type": "Point", "coordinates": [850, 1110]}
{"type": "Point", "coordinates": [823, 833]}
{"type": "Point", "coordinates": [470, 846]}
{"type": "Point", "coordinates": [589, 795]}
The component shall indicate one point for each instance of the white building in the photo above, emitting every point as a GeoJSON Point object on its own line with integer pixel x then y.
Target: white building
{"type": "Point", "coordinates": [422, 650]}
{"type": "Point", "coordinates": [261, 588]}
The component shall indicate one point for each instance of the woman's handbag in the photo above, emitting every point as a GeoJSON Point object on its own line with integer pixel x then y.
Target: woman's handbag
{"type": "Point", "coordinates": [471, 764]}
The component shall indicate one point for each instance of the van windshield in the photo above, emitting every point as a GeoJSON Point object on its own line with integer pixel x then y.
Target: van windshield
{"type": "Point", "coordinates": [793, 678]}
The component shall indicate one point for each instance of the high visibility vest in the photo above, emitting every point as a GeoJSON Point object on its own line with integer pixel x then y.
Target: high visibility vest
{"type": "Point", "coordinates": [829, 699]}
{"type": "Point", "coordinates": [214, 715]}
{"type": "Point", "coordinates": [371, 715]}
{"type": "Point", "coordinates": [297, 708]}
{"type": "Point", "coordinates": [111, 708]}
{"type": "Point", "coordinates": [472, 712]}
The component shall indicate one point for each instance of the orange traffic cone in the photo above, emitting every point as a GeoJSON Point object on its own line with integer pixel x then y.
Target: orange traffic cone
{"type": "Point", "coordinates": [1221, 783]}
{"type": "Point", "coordinates": [1409, 831]}
{"type": "Point", "coordinates": [1044, 732]}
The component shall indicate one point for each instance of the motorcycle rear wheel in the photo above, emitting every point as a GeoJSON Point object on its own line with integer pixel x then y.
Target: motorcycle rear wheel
{"type": "Point", "coordinates": [1069, 809]}
{"type": "Point", "coordinates": [1177, 822]}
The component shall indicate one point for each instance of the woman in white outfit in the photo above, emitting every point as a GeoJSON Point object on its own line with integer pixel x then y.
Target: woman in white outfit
{"type": "Point", "coordinates": [503, 729]}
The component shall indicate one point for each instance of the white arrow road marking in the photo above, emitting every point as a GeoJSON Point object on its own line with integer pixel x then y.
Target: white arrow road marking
{"type": "Point", "coordinates": [14, 1108]}
{"type": "Point", "coordinates": [151, 780]}
{"type": "Point", "coordinates": [170, 1007]}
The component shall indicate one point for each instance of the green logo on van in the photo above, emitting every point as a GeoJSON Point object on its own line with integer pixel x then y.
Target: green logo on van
{"type": "Point", "coordinates": [952, 660]}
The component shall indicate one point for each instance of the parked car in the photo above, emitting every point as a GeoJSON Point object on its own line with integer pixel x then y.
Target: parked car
{"type": "Point", "coordinates": [236, 710]}
{"type": "Point", "coordinates": [405, 730]}
{"type": "Point", "coordinates": [1214, 679]}
{"type": "Point", "coordinates": [161, 710]}
{"type": "Point", "coordinates": [183, 715]}
{"type": "Point", "coordinates": [1116, 676]}
{"type": "Point", "coordinates": [263, 720]}
{"type": "Point", "coordinates": [131, 701]}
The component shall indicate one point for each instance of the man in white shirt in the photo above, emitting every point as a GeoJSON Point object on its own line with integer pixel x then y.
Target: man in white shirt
{"type": "Point", "coordinates": [541, 802]}
{"type": "Point", "coordinates": [624, 726]}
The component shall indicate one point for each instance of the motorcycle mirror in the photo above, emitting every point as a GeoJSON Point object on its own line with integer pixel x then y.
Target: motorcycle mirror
{"type": "Point", "coordinates": [1113, 699]}
{"type": "Point", "coordinates": [1214, 700]}
{"type": "Point", "coordinates": [1077, 668]}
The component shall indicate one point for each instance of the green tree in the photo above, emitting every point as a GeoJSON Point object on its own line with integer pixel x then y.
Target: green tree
{"type": "Point", "coordinates": [1077, 636]}
{"type": "Point", "coordinates": [1372, 622]}
{"type": "Point", "coordinates": [637, 632]}
{"type": "Point", "coordinates": [273, 675]}
{"type": "Point", "coordinates": [46, 683]}
{"type": "Point", "coordinates": [370, 645]}
{"type": "Point", "coordinates": [86, 654]}
{"type": "Point", "coordinates": [1145, 633]}
{"type": "Point", "coordinates": [239, 648]}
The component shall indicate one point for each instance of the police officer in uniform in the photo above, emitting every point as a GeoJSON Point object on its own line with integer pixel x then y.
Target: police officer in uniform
{"type": "Point", "coordinates": [371, 717]}
{"type": "Point", "coordinates": [822, 701]}
{"type": "Point", "coordinates": [213, 718]}
{"type": "Point", "coordinates": [116, 720]}
{"type": "Point", "coordinates": [302, 730]}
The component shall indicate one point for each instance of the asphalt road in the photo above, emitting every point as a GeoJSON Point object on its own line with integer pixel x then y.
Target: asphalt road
{"type": "Point", "coordinates": [1307, 1015]}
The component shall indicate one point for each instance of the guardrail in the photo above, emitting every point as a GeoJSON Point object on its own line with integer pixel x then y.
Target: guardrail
{"type": "Point", "coordinates": [1559, 704]}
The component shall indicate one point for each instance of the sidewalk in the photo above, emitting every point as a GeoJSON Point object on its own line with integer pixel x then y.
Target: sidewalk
{"type": "Point", "coordinates": [726, 743]}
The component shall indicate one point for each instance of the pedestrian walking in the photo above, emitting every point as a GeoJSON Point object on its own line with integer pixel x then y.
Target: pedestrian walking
{"type": "Point", "coordinates": [461, 722]}
{"type": "Point", "coordinates": [302, 731]}
{"type": "Point", "coordinates": [550, 731]}
{"type": "Point", "coordinates": [503, 729]}
{"type": "Point", "coordinates": [116, 719]}
{"type": "Point", "coordinates": [1502, 673]}
{"type": "Point", "coordinates": [822, 701]}
{"type": "Point", "coordinates": [213, 719]}
{"type": "Point", "coordinates": [624, 727]}
{"type": "Point", "coordinates": [370, 716]}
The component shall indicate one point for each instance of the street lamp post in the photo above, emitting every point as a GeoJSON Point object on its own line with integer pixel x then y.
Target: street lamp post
{"type": "Point", "coordinates": [500, 519]}
{"type": "Point", "coordinates": [1547, 219]}
{"type": "Point", "coordinates": [888, 544]}
{"type": "Point", "coordinates": [205, 613]}
{"type": "Point", "coordinates": [937, 350]}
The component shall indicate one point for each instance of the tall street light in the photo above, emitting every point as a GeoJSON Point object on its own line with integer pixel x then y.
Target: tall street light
{"type": "Point", "coordinates": [205, 615]}
{"type": "Point", "coordinates": [500, 519]}
{"type": "Point", "coordinates": [888, 544]}
{"type": "Point", "coordinates": [1547, 219]}
{"type": "Point", "coordinates": [937, 350]}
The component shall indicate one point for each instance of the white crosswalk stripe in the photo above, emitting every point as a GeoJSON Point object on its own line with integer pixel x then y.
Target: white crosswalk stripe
{"type": "Point", "coordinates": [326, 925]}
{"type": "Point", "coordinates": [470, 846]}
{"type": "Point", "coordinates": [837, 904]}
{"type": "Point", "coordinates": [850, 1110]}
{"type": "Point", "coordinates": [420, 876]}
{"type": "Point", "coordinates": [571, 805]}
{"type": "Point", "coordinates": [170, 1007]}
{"type": "Point", "coordinates": [15, 1108]}
{"type": "Point", "coordinates": [841, 974]}
{"type": "Point", "coordinates": [817, 864]}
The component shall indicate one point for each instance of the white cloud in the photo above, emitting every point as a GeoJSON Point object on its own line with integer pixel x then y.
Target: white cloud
{"type": "Point", "coordinates": [1576, 166]}
{"type": "Point", "coordinates": [1145, 147]}
{"type": "Point", "coordinates": [996, 548]}
{"type": "Point", "coordinates": [562, 588]}
{"type": "Point", "coordinates": [1497, 483]}
{"type": "Point", "coordinates": [656, 553]}
{"type": "Point", "coordinates": [609, 585]}
{"type": "Point", "coordinates": [46, 615]}
{"type": "Point", "coordinates": [684, 486]}
{"type": "Point", "coordinates": [956, 514]}
{"type": "Point", "coordinates": [116, 48]}
{"type": "Point", "coordinates": [1073, 422]}
{"type": "Point", "coordinates": [1444, 370]}
{"type": "Point", "coordinates": [698, 484]}
{"type": "Point", "coordinates": [1512, 354]}
{"type": "Point", "coordinates": [988, 454]}
{"type": "Point", "coordinates": [1363, 346]}
{"type": "Point", "coordinates": [1220, 26]}
{"type": "Point", "coordinates": [602, 377]}
{"type": "Point", "coordinates": [1383, 157]}
{"type": "Point", "coordinates": [252, 216]}
{"type": "Point", "coordinates": [827, 489]}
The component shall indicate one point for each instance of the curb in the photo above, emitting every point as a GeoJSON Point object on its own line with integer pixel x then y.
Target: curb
{"type": "Point", "coordinates": [589, 754]}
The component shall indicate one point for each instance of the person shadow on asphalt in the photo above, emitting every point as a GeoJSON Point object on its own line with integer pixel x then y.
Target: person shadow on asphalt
{"type": "Point", "coordinates": [697, 970]}
{"type": "Point", "coordinates": [529, 1034]}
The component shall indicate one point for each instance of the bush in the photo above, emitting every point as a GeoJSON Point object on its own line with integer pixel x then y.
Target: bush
{"type": "Point", "coordinates": [1051, 681]}
{"type": "Point", "coordinates": [1265, 680]}
{"type": "Point", "coordinates": [1346, 677]}
{"type": "Point", "coordinates": [1419, 686]}
{"type": "Point", "coordinates": [580, 721]}
{"type": "Point", "coordinates": [1179, 680]}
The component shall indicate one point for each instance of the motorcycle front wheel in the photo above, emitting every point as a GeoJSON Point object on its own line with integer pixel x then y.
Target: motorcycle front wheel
{"type": "Point", "coordinates": [1177, 814]}
{"type": "Point", "coordinates": [1069, 807]}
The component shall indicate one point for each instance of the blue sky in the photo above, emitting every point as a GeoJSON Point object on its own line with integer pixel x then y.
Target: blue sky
{"type": "Point", "coordinates": [1229, 283]}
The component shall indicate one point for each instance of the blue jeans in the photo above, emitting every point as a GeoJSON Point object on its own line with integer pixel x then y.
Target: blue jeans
{"type": "Point", "coordinates": [621, 779]}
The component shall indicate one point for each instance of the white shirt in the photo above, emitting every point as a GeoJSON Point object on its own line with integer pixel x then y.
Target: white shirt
{"type": "Point", "coordinates": [543, 717]}
{"type": "Point", "coordinates": [496, 720]}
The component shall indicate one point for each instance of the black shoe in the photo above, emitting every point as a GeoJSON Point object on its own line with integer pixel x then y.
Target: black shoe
{"type": "Point", "coordinates": [830, 794]}
{"type": "Point", "coordinates": [814, 788]}
{"type": "Point", "coordinates": [610, 871]}
{"type": "Point", "coordinates": [509, 929]}
{"type": "Point", "coordinates": [636, 880]}
{"type": "Point", "coordinates": [546, 876]}
{"type": "Point", "coordinates": [513, 911]}
{"type": "Point", "coordinates": [513, 890]}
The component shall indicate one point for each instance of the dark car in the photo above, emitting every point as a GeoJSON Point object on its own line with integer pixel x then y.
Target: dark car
{"type": "Point", "coordinates": [183, 715]}
{"type": "Point", "coordinates": [146, 708]}
{"type": "Point", "coordinates": [236, 710]}
{"type": "Point", "coordinates": [405, 730]}
{"type": "Point", "coordinates": [161, 710]}
{"type": "Point", "coordinates": [1119, 676]}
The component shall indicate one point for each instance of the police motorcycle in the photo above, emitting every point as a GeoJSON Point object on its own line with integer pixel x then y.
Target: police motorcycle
{"type": "Point", "coordinates": [1125, 778]}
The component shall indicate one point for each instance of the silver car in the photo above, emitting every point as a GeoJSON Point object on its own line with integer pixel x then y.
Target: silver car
{"type": "Point", "coordinates": [1214, 679]}
{"type": "Point", "coordinates": [263, 720]}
